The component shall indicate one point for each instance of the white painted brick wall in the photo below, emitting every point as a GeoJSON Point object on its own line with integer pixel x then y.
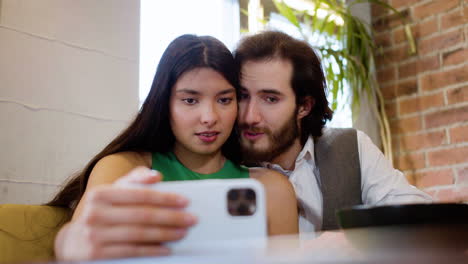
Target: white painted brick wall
{"type": "Point", "coordinates": [68, 85]}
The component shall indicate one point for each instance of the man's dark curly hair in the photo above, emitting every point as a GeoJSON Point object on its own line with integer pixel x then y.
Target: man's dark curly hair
{"type": "Point", "coordinates": [307, 79]}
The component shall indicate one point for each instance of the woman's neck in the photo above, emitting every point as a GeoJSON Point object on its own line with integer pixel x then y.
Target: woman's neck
{"type": "Point", "coordinates": [200, 163]}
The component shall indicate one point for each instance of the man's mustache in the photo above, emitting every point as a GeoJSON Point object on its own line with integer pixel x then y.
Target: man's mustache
{"type": "Point", "coordinates": [253, 129]}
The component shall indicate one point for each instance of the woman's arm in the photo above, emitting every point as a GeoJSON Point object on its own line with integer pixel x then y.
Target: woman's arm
{"type": "Point", "coordinates": [281, 201]}
{"type": "Point", "coordinates": [113, 221]}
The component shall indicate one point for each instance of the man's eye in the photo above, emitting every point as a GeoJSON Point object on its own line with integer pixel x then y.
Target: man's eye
{"type": "Point", "coordinates": [244, 96]}
{"type": "Point", "coordinates": [225, 100]}
{"type": "Point", "coordinates": [189, 101]}
{"type": "Point", "coordinates": [271, 99]}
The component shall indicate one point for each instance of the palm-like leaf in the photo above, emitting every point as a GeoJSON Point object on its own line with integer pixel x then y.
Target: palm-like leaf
{"type": "Point", "coordinates": [354, 56]}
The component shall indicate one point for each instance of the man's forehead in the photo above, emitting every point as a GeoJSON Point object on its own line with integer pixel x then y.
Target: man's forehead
{"type": "Point", "coordinates": [267, 63]}
{"type": "Point", "coordinates": [267, 75]}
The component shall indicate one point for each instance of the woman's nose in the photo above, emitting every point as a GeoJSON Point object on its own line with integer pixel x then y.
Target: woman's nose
{"type": "Point", "coordinates": [209, 115]}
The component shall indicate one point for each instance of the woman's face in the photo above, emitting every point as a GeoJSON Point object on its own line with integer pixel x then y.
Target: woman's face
{"type": "Point", "coordinates": [203, 109]}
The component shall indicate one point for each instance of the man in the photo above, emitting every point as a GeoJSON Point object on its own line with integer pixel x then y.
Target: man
{"type": "Point", "coordinates": [282, 112]}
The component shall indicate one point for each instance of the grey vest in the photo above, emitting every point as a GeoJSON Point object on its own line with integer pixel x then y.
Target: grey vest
{"type": "Point", "coordinates": [337, 158]}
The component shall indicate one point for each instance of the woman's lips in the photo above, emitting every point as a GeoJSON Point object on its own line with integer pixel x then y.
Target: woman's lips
{"type": "Point", "coordinates": [207, 137]}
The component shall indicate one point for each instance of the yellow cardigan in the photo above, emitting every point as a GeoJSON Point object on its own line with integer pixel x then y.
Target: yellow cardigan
{"type": "Point", "coordinates": [27, 232]}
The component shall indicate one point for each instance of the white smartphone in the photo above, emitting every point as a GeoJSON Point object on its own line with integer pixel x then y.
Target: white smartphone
{"type": "Point", "coordinates": [227, 210]}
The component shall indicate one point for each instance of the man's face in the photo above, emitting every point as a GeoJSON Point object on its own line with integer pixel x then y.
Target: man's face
{"type": "Point", "coordinates": [267, 118]}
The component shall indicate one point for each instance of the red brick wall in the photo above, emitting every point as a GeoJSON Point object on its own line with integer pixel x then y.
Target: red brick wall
{"type": "Point", "coordinates": [427, 93]}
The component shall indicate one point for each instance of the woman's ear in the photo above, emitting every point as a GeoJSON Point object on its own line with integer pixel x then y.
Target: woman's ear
{"type": "Point", "coordinates": [306, 106]}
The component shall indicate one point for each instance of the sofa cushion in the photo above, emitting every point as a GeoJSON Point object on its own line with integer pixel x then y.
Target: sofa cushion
{"type": "Point", "coordinates": [27, 232]}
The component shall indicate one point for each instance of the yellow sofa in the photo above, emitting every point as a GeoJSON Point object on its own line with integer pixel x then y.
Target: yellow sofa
{"type": "Point", "coordinates": [27, 232]}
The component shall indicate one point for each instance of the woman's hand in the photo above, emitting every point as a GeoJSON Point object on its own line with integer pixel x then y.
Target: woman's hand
{"type": "Point", "coordinates": [117, 221]}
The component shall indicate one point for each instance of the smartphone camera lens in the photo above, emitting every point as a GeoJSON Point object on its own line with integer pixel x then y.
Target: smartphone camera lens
{"type": "Point", "coordinates": [233, 195]}
{"type": "Point", "coordinates": [250, 195]}
{"type": "Point", "coordinates": [243, 209]}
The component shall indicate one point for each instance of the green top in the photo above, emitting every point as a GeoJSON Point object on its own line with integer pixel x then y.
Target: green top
{"type": "Point", "coordinates": [173, 170]}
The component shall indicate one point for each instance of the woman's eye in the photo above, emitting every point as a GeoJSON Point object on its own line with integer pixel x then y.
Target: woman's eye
{"type": "Point", "coordinates": [189, 101]}
{"type": "Point", "coordinates": [225, 100]}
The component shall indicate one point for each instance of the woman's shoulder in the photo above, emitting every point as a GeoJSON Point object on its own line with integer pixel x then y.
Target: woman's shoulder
{"type": "Point", "coordinates": [127, 158]}
{"type": "Point", "coordinates": [265, 174]}
{"type": "Point", "coordinates": [275, 183]}
{"type": "Point", "coordinates": [111, 167]}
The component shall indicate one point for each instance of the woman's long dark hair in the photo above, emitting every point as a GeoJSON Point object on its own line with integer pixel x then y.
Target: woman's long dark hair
{"type": "Point", "coordinates": [150, 131]}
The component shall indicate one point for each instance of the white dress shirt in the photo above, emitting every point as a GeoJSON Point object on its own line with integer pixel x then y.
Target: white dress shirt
{"type": "Point", "coordinates": [380, 182]}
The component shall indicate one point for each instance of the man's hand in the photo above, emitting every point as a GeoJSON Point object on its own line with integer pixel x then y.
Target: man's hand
{"type": "Point", "coordinates": [117, 221]}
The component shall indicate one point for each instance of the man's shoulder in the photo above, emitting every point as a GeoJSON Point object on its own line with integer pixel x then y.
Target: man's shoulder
{"type": "Point", "coordinates": [337, 130]}
{"type": "Point", "coordinates": [332, 135]}
{"type": "Point", "coordinates": [337, 143]}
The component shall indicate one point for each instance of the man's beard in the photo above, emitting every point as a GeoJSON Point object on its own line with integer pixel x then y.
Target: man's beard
{"type": "Point", "coordinates": [279, 142]}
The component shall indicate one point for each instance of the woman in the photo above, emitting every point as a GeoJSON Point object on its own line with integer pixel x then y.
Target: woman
{"type": "Point", "coordinates": [186, 122]}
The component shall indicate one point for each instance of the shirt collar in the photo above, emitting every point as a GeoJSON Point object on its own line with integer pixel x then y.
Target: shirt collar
{"type": "Point", "coordinates": [307, 152]}
{"type": "Point", "coordinates": [306, 155]}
